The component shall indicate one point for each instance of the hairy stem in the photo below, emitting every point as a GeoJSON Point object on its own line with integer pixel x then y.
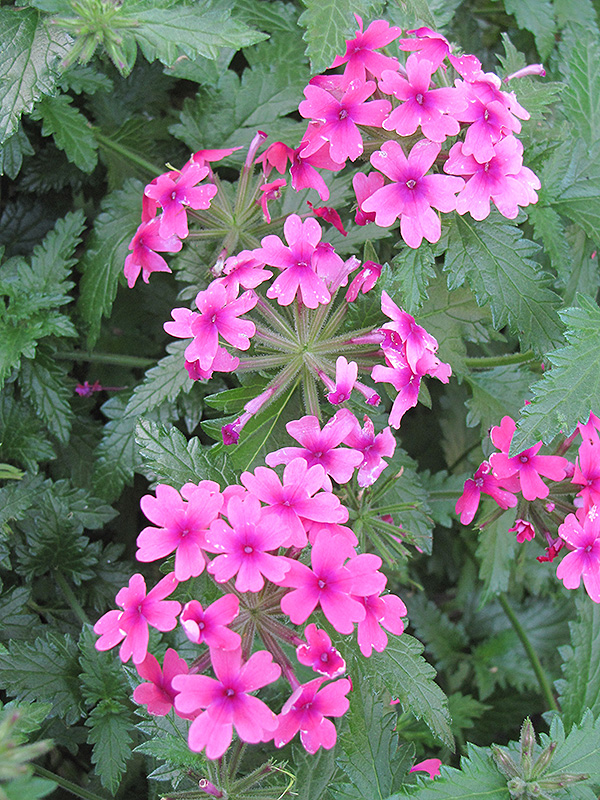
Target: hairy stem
{"type": "Point", "coordinates": [105, 358]}
{"type": "Point", "coordinates": [68, 786]}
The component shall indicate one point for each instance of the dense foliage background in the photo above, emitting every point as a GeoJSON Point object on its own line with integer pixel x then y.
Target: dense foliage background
{"type": "Point", "coordinates": [95, 98]}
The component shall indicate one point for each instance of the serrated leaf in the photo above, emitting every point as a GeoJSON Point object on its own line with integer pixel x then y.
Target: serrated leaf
{"type": "Point", "coordinates": [17, 498]}
{"type": "Point", "coordinates": [22, 436]}
{"type": "Point", "coordinates": [535, 16]}
{"type": "Point", "coordinates": [16, 621]}
{"type": "Point", "coordinates": [103, 261]}
{"type": "Point", "coordinates": [28, 63]}
{"type": "Point", "coordinates": [12, 152]}
{"type": "Point", "coordinates": [328, 24]}
{"type": "Point", "coordinates": [580, 687]}
{"type": "Point", "coordinates": [115, 455]}
{"type": "Point", "coordinates": [496, 260]}
{"type": "Point", "coordinates": [43, 383]}
{"type": "Point", "coordinates": [497, 392]}
{"type": "Point", "coordinates": [571, 388]}
{"type": "Point", "coordinates": [110, 734]}
{"type": "Point", "coordinates": [412, 270]}
{"type": "Point", "coordinates": [579, 752]}
{"type": "Point", "coordinates": [313, 772]}
{"type": "Point", "coordinates": [70, 130]}
{"type": "Point", "coordinates": [85, 78]}
{"type": "Point", "coordinates": [572, 180]}
{"type": "Point", "coordinates": [444, 639]}
{"type": "Point", "coordinates": [495, 553]}
{"type": "Point", "coordinates": [170, 458]}
{"type": "Point", "coordinates": [582, 95]}
{"type": "Point", "coordinates": [163, 383]}
{"type": "Point", "coordinates": [46, 669]}
{"type": "Point", "coordinates": [102, 676]}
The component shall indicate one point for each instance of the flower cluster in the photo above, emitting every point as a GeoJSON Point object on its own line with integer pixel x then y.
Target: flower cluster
{"type": "Point", "coordinates": [543, 509]}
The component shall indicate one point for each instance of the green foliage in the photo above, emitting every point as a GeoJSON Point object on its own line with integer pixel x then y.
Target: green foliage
{"type": "Point", "coordinates": [580, 687]}
{"type": "Point", "coordinates": [571, 389]}
{"type": "Point", "coordinates": [496, 260]}
{"type": "Point", "coordinates": [496, 393]}
{"type": "Point", "coordinates": [110, 736]}
{"type": "Point", "coordinates": [582, 95]}
{"type": "Point", "coordinates": [495, 553]}
{"type": "Point", "coordinates": [44, 384]}
{"type": "Point", "coordinates": [572, 176]}
{"type": "Point", "coordinates": [70, 130]}
{"type": "Point", "coordinates": [535, 16]}
{"type": "Point", "coordinates": [412, 273]}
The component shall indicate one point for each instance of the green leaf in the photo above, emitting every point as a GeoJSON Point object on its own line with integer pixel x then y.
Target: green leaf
{"type": "Point", "coordinates": [12, 152]}
{"type": "Point", "coordinates": [571, 388]}
{"type": "Point", "coordinates": [163, 383]}
{"type": "Point", "coordinates": [103, 261]}
{"type": "Point", "coordinates": [313, 772]}
{"type": "Point", "coordinates": [495, 553]}
{"type": "Point", "coordinates": [53, 258]}
{"type": "Point", "coordinates": [535, 16]}
{"type": "Point", "coordinates": [43, 383]}
{"type": "Point", "coordinates": [28, 787]}
{"type": "Point", "coordinates": [329, 23]}
{"type": "Point", "coordinates": [22, 436]}
{"type": "Point", "coordinates": [17, 498]}
{"type": "Point", "coordinates": [579, 752]}
{"type": "Point", "coordinates": [102, 675]}
{"type": "Point", "coordinates": [412, 272]}
{"type": "Point", "coordinates": [580, 687]}
{"type": "Point", "coordinates": [496, 260]}
{"type": "Point", "coordinates": [110, 734]}
{"type": "Point", "coordinates": [46, 669]}
{"type": "Point", "coordinates": [497, 392]}
{"type": "Point", "coordinates": [70, 130]}
{"type": "Point", "coordinates": [16, 620]}
{"type": "Point", "coordinates": [444, 639]}
{"type": "Point", "coordinates": [572, 180]}
{"type": "Point", "coordinates": [169, 458]}
{"type": "Point", "coordinates": [28, 63]}
{"type": "Point", "coordinates": [367, 749]}
{"type": "Point", "coordinates": [582, 95]}
{"type": "Point", "coordinates": [168, 742]}
{"type": "Point", "coordinates": [116, 457]}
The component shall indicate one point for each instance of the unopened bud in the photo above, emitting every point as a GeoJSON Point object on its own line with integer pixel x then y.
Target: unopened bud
{"type": "Point", "coordinates": [543, 761]}
{"type": "Point", "coordinates": [517, 788]}
{"type": "Point", "coordinates": [527, 742]}
{"type": "Point", "coordinates": [504, 762]}
{"type": "Point", "coordinates": [561, 780]}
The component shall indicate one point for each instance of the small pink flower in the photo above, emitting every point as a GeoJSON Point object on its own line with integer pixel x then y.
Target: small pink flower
{"type": "Point", "coordinates": [174, 194]}
{"type": "Point", "coordinates": [320, 654]}
{"type": "Point", "coordinates": [303, 172]}
{"type": "Point", "coordinates": [431, 766]}
{"type": "Point", "coordinates": [270, 191]}
{"type": "Point", "coordinates": [158, 693]}
{"type": "Point", "coordinates": [429, 44]}
{"type": "Point", "coordinates": [524, 530]}
{"type": "Point", "coordinates": [330, 215]}
{"type": "Point", "coordinates": [345, 378]}
{"type": "Point", "coordinates": [209, 625]}
{"type": "Point", "coordinates": [484, 482]}
{"type": "Point", "coordinates": [364, 281]}
{"type": "Point", "coordinates": [307, 711]}
{"type": "Point", "coordinates": [364, 187]}
{"type": "Point", "coordinates": [380, 612]}
{"type": "Point", "coordinates": [360, 56]}
{"type": "Point", "coordinates": [374, 449]}
{"type": "Point", "coordinates": [583, 540]}
{"type": "Point", "coordinates": [144, 257]}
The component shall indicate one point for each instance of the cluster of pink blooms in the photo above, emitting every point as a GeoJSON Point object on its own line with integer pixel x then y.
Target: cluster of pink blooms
{"type": "Point", "coordinates": [280, 549]}
{"type": "Point", "coordinates": [543, 509]}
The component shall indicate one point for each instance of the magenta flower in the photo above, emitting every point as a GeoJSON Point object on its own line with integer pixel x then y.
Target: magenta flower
{"type": "Point", "coordinates": [432, 109]}
{"type": "Point", "coordinates": [244, 270]}
{"type": "Point", "coordinates": [337, 573]}
{"type": "Point", "coordinates": [431, 766]}
{"type": "Point", "coordinates": [173, 195]}
{"type": "Point", "coordinates": [276, 155]}
{"type": "Point", "coordinates": [303, 172]}
{"type": "Point", "coordinates": [158, 693]}
{"type": "Point", "coordinates": [330, 215]}
{"type": "Point", "coordinates": [320, 654]}
{"type": "Point", "coordinates": [296, 262]}
{"type": "Point", "coordinates": [410, 338]}
{"type": "Point", "coordinates": [227, 701]}
{"type": "Point", "coordinates": [364, 187]}
{"type": "Point", "coordinates": [364, 281]}
{"type": "Point", "coordinates": [360, 56]}
{"type": "Point", "coordinates": [139, 611]}
{"type": "Point", "coordinates": [587, 471]}
{"type": "Point", "coordinates": [338, 119]}
{"type": "Point", "coordinates": [524, 530]}
{"type": "Point", "coordinates": [270, 191]}
{"type": "Point", "coordinates": [209, 625]}
{"type": "Point", "coordinates": [244, 547]}
{"type": "Point", "coordinates": [380, 612]}
{"type": "Point", "coordinates": [182, 528]}
{"type": "Point", "coordinates": [307, 711]}
{"type": "Point", "coordinates": [345, 378]}
{"type": "Point", "coordinates": [502, 179]}
{"type": "Point", "coordinates": [296, 499]}
{"type": "Point", "coordinates": [430, 45]}
{"type": "Point", "coordinates": [144, 258]}
{"type": "Point", "coordinates": [374, 449]}
{"type": "Point", "coordinates": [484, 482]}
{"type": "Point", "coordinates": [413, 194]}
{"type": "Point", "coordinates": [321, 447]}
{"type": "Point", "coordinates": [583, 539]}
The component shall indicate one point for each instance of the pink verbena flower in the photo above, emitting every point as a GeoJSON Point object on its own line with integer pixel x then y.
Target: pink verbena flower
{"type": "Point", "coordinates": [321, 447]}
{"type": "Point", "coordinates": [364, 187]}
{"type": "Point", "coordinates": [484, 482]}
{"type": "Point", "coordinates": [524, 530]}
{"type": "Point", "coordinates": [307, 711]}
{"type": "Point", "coordinates": [244, 270]}
{"type": "Point", "coordinates": [319, 653]}
{"type": "Point", "coordinates": [139, 610]}
{"type": "Point", "coordinates": [413, 194]}
{"type": "Point", "coordinates": [587, 471]}
{"type": "Point", "coordinates": [182, 528]}
{"type": "Point", "coordinates": [245, 548]}
{"type": "Point", "coordinates": [345, 378]}
{"type": "Point", "coordinates": [380, 612]}
{"type": "Point", "coordinates": [144, 257]}
{"type": "Point", "coordinates": [403, 335]}
{"type": "Point", "coordinates": [209, 625]}
{"type": "Point", "coordinates": [360, 56]}
{"type": "Point", "coordinates": [330, 215]}
{"type": "Point", "coordinates": [227, 701]}
{"type": "Point", "coordinates": [429, 44]}
{"type": "Point", "coordinates": [431, 766]}
{"type": "Point", "coordinates": [583, 540]}
{"type": "Point", "coordinates": [432, 109]}
{"type": "Point", "coordinates": [270, 191]}
{"type": "Point", "coordinates": [364, 281]}
{"type": "Point", "coordinates": [374, 449]}
{"type": "Point", "coordinates": [296, 499]}
{"type": "Point", "coordinates": [304, 173]}
{"type": "Point", "coordinates": [174, 194]}
{"type": "Point", "coordinates": [158, 693]}
{"type": "Point", "coordinates": [502, 179]}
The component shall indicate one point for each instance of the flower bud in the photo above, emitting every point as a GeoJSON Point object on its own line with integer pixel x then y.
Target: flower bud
{"type": "Point", "coordinates": [504, 762]}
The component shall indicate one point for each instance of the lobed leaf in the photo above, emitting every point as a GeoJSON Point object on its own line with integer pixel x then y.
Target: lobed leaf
{"type": "Point", "coordinates": [495, 553]}
{"type": "Point", "coordinates": [582, 95]}
{"type": "Point", "coordinates": [535, 16]}
{"type": "Point", "coordinates": [580, 687]}
{"type": "Point", "coordinates": [70, 130]}
{"type": "Point", "coordinates": [413, 270]}
{"type": "Point", "coordinates": [110, 734]}
{"type": "Point", "coordinates": [43, 382]}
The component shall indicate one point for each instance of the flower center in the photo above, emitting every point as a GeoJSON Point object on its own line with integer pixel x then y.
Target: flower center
{"type": "Point", "coordinates": [229, 692]}
{"type": "Point", "coordinates": [419, 98]}
{"type": "Point", "coordinates": [173, 195]}
{"type": "Point", "coordinates": [523, 459]}
{"type": "Point", "coordinates": [325, 657]}
{"type": "Point", "coordinates": [411, 183]}
{"type": "Point", "coordinates": [248, 549]}
{"type": "Point", "coordinates": [486, 115]}
{"type": "Point", "coordinates": [343, 113]}
{"type": "Point", "coordinates": [321, 584]}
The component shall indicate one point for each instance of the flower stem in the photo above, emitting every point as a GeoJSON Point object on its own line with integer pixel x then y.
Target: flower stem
{"type": "Point", "coordinates": [71, 599]}
{"type": "Point", "coordinates": [78, 791]}
{"type": "Point", "coordinates": [486, 362]}
{"type": "Point", "coordinates": [109, 144]}
{"type": "Point", "coordinates": [105, 358]}
{"type": "Point", "coordinates": [541, 676]}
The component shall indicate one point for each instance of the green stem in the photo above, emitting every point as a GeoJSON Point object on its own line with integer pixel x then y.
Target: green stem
{"type": "Point", "coordinates": [485, 362]}
{"type": "Point", "coordinates": [541, 676]}
{"type": "Point", "coordinates": [78, 791]}
{"type": "Point", "coordinates": [109, 144]}
{"type": "Point", "coordinates": [71, 599]}
{"type": "Point", "coordinates": [105, 358]}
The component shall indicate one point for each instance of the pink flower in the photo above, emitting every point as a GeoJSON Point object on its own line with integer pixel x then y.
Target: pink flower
{"type": "Point", "coordinates": [337, 573]}
{"type": "Point", "coordinates": [270, 191]}
{"type": "Point", "coordinates": [587, 470]}
{"type": "Point", "coordinates": [321, 447]}
{"type": "Point", "coordinates": [364, 187]}
{"type": "Point", "coordinates": [412, 195]}
{"type": "Point", "coordinates": [175, 194]}
{"type": "Point", "coordinates": [144, 258]}
{"type": "Point", "coordinates": [288, 504]}
{"type": "Point", "coordinates": [330, 215]}
{"type": "Point", "coordinates": [320, 654]}
{"type": "Point", "coordinates": [245, 547]}
{"type": "Point", "coordinates": [231, 431]}
{"type": "Point", "coordinates": [524, 530]}
{"type": "Point", "coordinates": [158, 693]}
{"type": "Point", "coordinates": [431, 45]}
{"type": "Point", "coordinates": [244, 270]}
{"type": "Point", "coordinates": [345, 378]}
{"type": "Point", "coordinates": [228, 701]}
{"type": "Point", "coordinates": [296, 262]}
{"type": "Point", "coordinates": [380, 612]}
{"type": "Point", "coordinates": [484, 482]}
{"type": "Point", "coordinates": [275, 156]}
{"type": "Point", "coordinates": [403, 335]}
{"type": "Point", "coordinates": [432, 109]}
{"type": "Point", "coordinates": [364, 281]}
{"type": "Point", "coordinates": [373, 448]}
{"type": "Point", "coordinates": [182, 528]}
{"type": "Point", "coordinates": [583, 539]}
{"type": "Point", "coordinates": [431, 766]}
{"type": "Point", "coordinates": [139, 611]}
{"type": "Point", "coordinates": [360, 56]}
{"type": "Point", "coordinates": [338, 119]}
{"type": "Point", "coordinates": [210, 625]}
{"type": "Point", "coordinates": [303, 172]}
{"type": "Point", "coordinates": [307, 711]}
{"type": "Point", "coordinates": [502, 179]}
